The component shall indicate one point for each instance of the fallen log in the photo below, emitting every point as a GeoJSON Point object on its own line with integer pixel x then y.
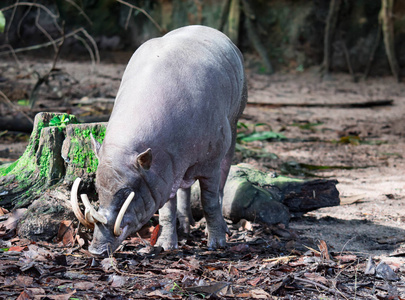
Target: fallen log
{"type": "Point", "coordinates": [268, 198]}
{"type": "Point", "coordinates": [363, 104]}
{"type": "Point", "coordinates": [59, 151]}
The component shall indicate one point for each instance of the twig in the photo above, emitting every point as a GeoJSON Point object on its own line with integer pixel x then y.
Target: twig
{"type": "Point", "coordinates": [31, 4]}
{"type": "Point", "coordinates": [161, 30]}
{"type": "Point", "coordinates": [347, 57]}
{"type": "Point", "coordinates": [8, 101]}
{"type": "Point", "coordinates": [45, 78]}
{"type": "Point", "coordinates": [43, 45]}
{"type": "Point", "coordinates": [93, 42]}
{"type": "Point", "coordinates": [128, 18]}
{"type": "Point", "coordinates": [80, 10]}
{"type": "Point", "coordinates": [52, 15]}
{"type": "Point", "coordinates": [12, 52]}
{"type": "Point", "coordinates": [55, 47]}
{"type": "Point", "coordinates": [317, 284]}
{"type": "Point", "coordinates": [373, 50]}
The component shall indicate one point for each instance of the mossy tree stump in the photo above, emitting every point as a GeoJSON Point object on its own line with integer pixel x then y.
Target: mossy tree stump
{"type": "Point", "coordinates": [59, 150]}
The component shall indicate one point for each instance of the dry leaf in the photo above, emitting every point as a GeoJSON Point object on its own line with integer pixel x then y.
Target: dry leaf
{"type": "Point", "coordinates": [66, 233]}
{"type": "Point", "coordinates": [155, 234]}
{"type": "Point", "coordinates": [12, 221]}
{"type": "Point", "coordinates": [259, 294]}
{"type": "Point", "coordinates": [317, 278]}
{"type": "Point", "coordinates": [324, 250]}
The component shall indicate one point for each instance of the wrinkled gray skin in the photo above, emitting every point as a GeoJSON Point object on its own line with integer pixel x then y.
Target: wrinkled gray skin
{"type": "Point", "coordinates": [173, 122]}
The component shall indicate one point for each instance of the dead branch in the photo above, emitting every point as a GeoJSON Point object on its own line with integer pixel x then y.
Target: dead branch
{"type": "Point", "coordinates": [161, 30]}
{"type": "Point", "coordinates": [45, 78]}
{"type": "Point", "coordinates": [42, 29]}
{"type": "Point", "coordinates": [330, 27]}
{"type": "Point", "coordinates": [388, 33]}
{"type": "Point", "coordinates": [80, 10]}
{"type": "Point", "coordinates": [12, 52]}
{"type": "Point", "coordinates": [14, 107]}
{"type": "Point", "coordinates": [324, 287]}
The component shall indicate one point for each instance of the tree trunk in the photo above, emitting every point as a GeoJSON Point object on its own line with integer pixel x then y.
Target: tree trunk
{"type": "Point", "coordinates": [330, 27]}
{"type": "Point", "coordinates": [388, 33]}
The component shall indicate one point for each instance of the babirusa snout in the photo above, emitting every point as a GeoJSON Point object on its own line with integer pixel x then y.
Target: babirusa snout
{"type": "Point", "coordinates": [91, 216]}
{"type": "Point", "coordinates": [117, 225]}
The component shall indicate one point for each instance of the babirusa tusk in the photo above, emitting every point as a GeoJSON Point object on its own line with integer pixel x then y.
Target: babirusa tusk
{"type": "Point", "coordinates": [117, 225]}
{"type": "Point", "coordinates": [91, 214]}
{"type": "Point", "coordinates": [75, 205]}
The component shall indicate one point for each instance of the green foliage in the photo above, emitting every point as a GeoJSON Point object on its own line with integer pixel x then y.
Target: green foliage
{"type": "Point", "coordinates": [60, 121]}
{"type": "Point", "coordinates": [246, 135]}
{"type": "Point", "coordinates": [307, 126]}
{"type": "Point", "coordinates": [2, 22]}
{"type": "Point", "coordinates": [23, 102]}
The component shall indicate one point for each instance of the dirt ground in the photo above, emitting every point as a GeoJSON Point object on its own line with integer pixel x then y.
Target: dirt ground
{"type": "Point", "coordinates": [371, 218]}
{"type": "Point", "coordinates": [363, 147]}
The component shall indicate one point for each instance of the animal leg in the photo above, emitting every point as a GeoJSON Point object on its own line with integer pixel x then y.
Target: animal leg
{"type": "Point", "coordinates": [167, 220]}
{"type": "Point", "coordinates": [184, 210]}
{"type": "Point", "coordinates": [212, 208]}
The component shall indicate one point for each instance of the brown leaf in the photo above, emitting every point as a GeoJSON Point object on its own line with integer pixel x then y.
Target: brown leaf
{"type": "Point", "coordinates": [346, 258]}
{"type": "Point", "coordinates": [83, 285]}
{"type": "Point", "coordinates": [219, 288]}
{"type": "Point", "coordinates": [109, 264]}
{"type": "Point", "coordinates": [324, 250]}
{"type": "Point", "coordinates": [15, 216]}
{"type": "Point", "coordinates": [259, 294]}
{"type": "Point", "coordinates": [17, 248]}
{"type": "Point", "coordinates": [317, 278]}
{"type": "Point", "coordinates": [233, 271]}
{"type": "Point", "coordinates": [155, 235]}
{"type": "Point", "coordinates": [239, 248]}
{"type": "Point", "coordinates": [3, 211]}
{"type": "Point", "coordinates": [255, 281]}
{"type": "Point", "coordinates": [23, 281]}
{"type": "Point", "coordinates": [24, 296]}
{"type": "Point", "coordinates": [117, 281]}
{"type": "Point", "coordinates": [66, 233]}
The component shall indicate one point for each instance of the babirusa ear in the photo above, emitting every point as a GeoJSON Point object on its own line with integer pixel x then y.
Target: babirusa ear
{"type": "Point", "coordinates": [95, 144]}
{"type": "Point", "coordinates": [145, 159]}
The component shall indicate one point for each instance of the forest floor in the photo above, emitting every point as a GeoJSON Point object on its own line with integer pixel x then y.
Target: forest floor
{"type": "Point", "coordinates": [332, 129]}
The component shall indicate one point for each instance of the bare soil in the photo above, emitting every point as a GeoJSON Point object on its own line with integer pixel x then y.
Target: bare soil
{"type": "Point", "coordinates": [363, 148]}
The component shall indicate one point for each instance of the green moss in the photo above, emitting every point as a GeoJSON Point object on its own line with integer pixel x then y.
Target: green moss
{"type": "Point", "coordinates": [84, 157]}
{"type": "Point", "coordinates": [44, 162]}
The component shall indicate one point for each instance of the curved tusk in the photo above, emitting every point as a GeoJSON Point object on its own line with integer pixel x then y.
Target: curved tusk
{"type": "Point", "coordinates": [91, 214]}
{"type": "Point", "coordinates": [117, 225]}
{"type": "Point", "coordinates": [75, 205]}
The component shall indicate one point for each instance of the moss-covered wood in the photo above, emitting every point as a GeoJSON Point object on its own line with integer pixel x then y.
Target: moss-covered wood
{"type": "Point", "coordinates": [39, 167]}
{"type": "Point", "coordinates": [268, 198]}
